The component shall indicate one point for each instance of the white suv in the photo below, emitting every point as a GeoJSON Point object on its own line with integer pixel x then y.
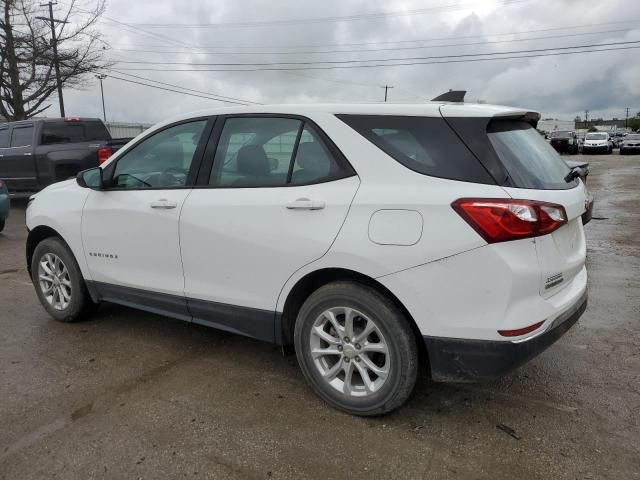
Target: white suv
{"type": "Point", "coordinates": [371, 238]}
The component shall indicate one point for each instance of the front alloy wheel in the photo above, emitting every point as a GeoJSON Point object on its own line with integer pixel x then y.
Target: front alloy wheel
{"type": "Point", "coordinates": [58, 281]}
{"type": "Point", "coordinates": [54, 281]}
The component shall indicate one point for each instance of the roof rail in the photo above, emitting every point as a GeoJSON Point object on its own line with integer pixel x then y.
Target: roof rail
{"type": "Point", "coordinates": [451, 96]}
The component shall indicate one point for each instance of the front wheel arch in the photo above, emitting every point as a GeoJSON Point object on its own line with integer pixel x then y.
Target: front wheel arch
{"type": "Point", "coordinates": [36, 236]}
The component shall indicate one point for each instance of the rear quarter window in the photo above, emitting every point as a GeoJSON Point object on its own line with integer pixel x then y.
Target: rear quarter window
{"type": "Point", "coordinates": [426, 145]}
{"type": "Point", "coordinates": [529, 160]}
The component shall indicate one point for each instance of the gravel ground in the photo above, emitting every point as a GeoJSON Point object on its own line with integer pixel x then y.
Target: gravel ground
{"type": "Point", "coordinates": [134, 395]}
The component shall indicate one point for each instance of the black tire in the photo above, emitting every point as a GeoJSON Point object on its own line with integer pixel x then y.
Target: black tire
{"type": "Point", "coordinates": [80, 304]}
{"type": "Point", "coordinates": [1, 225]}
{"type": "Point", "coordinates": [396, 330]}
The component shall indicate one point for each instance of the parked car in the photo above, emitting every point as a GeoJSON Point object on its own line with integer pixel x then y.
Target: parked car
{"type": "Point", "coordinates": [597, 142]}
{"type": "Point", "coordinates": [564, 141]}
{"type": "Point", "coordinates": [582, 170]}
{"type": "Point", "coordinates": [36, 153]}
{"type": "Point", "coordinates": [4, 204]}
{"type": "Point", "coordinates": [361, 235]}
{"type": "Point", "coordinates": [630, 144]}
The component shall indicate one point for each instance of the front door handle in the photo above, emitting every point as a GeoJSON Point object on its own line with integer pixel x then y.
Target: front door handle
{"type": "Point", "coordinates": [27, 154]}
{"type": "Point", "coordinates": [163, 204]}
{"type": "Point", "coordinates": [306, 204]}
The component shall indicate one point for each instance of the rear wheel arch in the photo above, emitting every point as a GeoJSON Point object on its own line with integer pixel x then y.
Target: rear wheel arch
{"type": "Point", "coordinates": [316, 279]}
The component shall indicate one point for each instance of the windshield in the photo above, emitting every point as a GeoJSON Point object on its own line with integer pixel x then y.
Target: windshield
{"type": "Point", "coordinates": [632, 137]}
{"type": "Point", "coordinates": [596, 136]}
{"type": "Point", "coordinates": [530, 161]}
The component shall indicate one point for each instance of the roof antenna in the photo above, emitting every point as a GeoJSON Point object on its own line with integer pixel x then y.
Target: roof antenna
{"type": "Point", "coordinates": [451, 96]}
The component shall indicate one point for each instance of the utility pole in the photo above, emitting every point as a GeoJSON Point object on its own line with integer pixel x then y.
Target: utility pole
{"type": "Point", "coordinates": [54, 44]}
{"type": "Point", "coordinates": [386, 89]}
{"type": "Point", "coordinates": [626, 119]}
{"type": "Point", "coordinates": [586, 118]}
{"type": "Point", "coordinates": [102, 76]}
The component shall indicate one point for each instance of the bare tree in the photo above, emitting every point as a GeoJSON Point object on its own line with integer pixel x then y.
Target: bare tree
{"type": "Point", "coordinates": [27, 58]}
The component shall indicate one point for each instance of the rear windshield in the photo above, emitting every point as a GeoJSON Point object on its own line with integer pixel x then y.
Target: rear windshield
{"type": "Point", "coordinates": [426, 145]}
{"type": "Point", "coordinates": [561, 134]}
{"type": "Point", "coordinates": [73, 132]}
{"type": "Point", "coordinates": [529, 161]}
{"type": "Point", "coordinates": [596, 136]}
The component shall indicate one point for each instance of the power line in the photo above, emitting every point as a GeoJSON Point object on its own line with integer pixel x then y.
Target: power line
{"type": "Point", "coordinates": [398, 59]}
{"type": "Point", "coordinates": [432, 39]}
{"type": "Point", "coordinates": [307, 21]}
{"type": "Point", "coordinates": [307, 52]}
{"type": "Point", "coordinates": [333, 67]}
{"type": "Point", "coordinates": [174, 91]}
{"type": "Point", "coordinates": [222, 97]}
{"type": "Point", "coordinates": [128, 28]}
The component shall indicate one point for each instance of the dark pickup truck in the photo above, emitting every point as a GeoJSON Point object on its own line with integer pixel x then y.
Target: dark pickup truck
{"type": "Point", "coordinates": [36, 153]}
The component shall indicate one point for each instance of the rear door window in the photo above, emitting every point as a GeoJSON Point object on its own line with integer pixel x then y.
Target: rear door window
{"type": "Point", "coordinates": [426, 145]}
{"type": "Point", "coordinates": [529, 160]}
{"type": "Point", "coordinates": [272, 152]}
{"type": "Point", "coordinates": [22, 136]}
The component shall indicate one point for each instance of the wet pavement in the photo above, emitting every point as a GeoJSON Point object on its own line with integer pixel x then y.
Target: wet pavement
{"type": "Point", "coordinates": [134, 395]}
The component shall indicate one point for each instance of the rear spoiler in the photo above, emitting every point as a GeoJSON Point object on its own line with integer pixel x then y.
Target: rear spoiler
{"type": "Point", "coordinates": [456, 96]}
{"type": "Point", "coordinates": [531, 117]}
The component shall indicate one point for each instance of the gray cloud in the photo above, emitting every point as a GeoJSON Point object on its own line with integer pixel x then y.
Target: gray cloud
{"type": "Point", "coordinates": [560, 86]}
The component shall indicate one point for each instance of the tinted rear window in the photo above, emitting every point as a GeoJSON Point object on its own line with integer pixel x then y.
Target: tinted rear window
{"type": "Point", "coordinates": [426, 145]}
{"type": "Point", "coordinates": [73, 132]}
{"type": "Point", "coordinates": [529, 160]}
{"type": "Point", "coordinates": [561, 134]}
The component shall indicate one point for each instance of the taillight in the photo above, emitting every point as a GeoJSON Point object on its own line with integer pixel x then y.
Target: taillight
{"type": "Point", "coordinates": [501, 220]}
{"type": "Point", "coordinates": [103, 154]}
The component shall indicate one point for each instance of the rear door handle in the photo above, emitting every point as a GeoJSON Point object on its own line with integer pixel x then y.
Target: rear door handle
{"type": "Point", "coordinates": [164, 204]}
{"type": "Point", "coordinates": [27, 154]}
{"type": "Point", "coordinates": [306, 204]}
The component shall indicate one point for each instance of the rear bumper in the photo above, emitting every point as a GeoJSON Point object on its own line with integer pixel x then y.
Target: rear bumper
{"type": "Point", "coordinates": [461, 360]}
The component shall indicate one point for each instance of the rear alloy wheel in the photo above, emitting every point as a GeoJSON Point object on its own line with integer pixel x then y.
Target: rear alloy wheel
{"type": "Point", "coordinates": [356, 349]}
{"type": "Point", "coordinates": [58, 281]}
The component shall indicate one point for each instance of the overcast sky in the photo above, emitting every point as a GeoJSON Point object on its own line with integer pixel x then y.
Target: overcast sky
{"type": "Point", "coordinates": [254, 31]}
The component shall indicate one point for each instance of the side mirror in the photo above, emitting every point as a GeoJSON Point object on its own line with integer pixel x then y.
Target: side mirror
{"type": "Point", "coordinates": [273, 163]}
{"type": "Point", "coordinates": [90, 178]}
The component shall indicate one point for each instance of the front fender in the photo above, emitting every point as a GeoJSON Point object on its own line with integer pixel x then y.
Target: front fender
{"type": "Point", "coordinates": [59, 207]}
